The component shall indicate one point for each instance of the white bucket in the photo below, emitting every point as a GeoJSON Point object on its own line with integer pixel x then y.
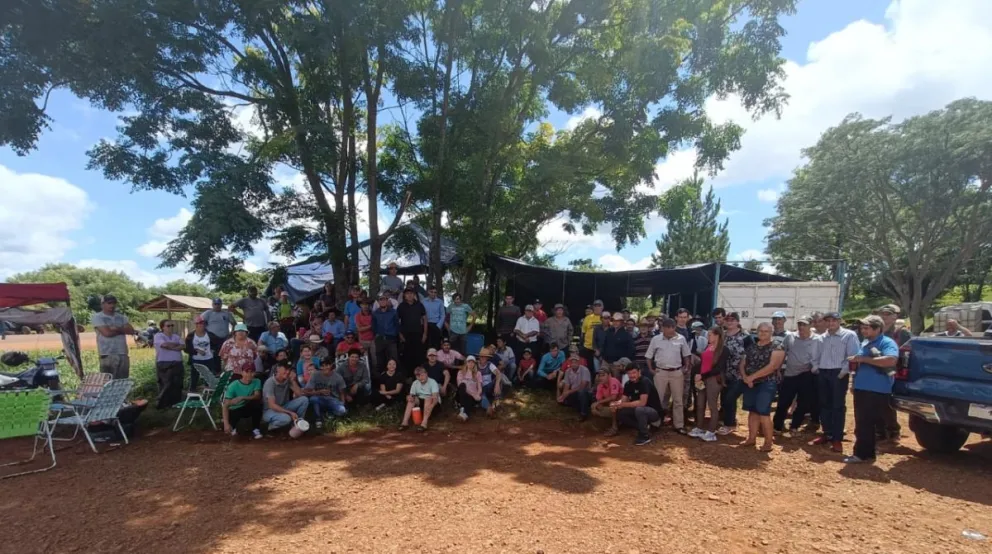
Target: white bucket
{"type": "Point", "coordinates": [299, 429]}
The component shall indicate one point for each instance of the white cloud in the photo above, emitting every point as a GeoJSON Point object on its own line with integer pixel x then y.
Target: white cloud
{"type": "Point", "coordinates": [924, 56]}
{"type": "Point", "coordinates": [616, 262]}
{"type": "Point", "coordinates": [591, 112]}
{"type": "Point", "coordinates": [162, 231]}
{"type": "Point", "coordinates": [38, 215]}
{"type": "Point", "coordinates": [678, 166]}
{"type": "Point", "coordinates": [750, 254]}
{"type": "Point", "coordinates": [768, 195]}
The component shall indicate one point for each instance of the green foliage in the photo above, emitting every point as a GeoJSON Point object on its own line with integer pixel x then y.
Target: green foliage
{"type": "Point", "coordinates": [694, 235]}
{"type": "Point", "coordinates": [585, 264]}
{"type": "Point", "coordinates": [907, 203]}
{"type": "Point", "coordinates": [753, 265]}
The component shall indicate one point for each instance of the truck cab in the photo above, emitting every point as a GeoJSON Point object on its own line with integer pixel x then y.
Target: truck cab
{"type": "Point", "coordinates": [945, 385]}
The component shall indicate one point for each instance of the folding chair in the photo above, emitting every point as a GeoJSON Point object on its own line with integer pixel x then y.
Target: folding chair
{"type": "Point", "coordinates": [85, 395]}
{"type": "Point", "coordinates": [211, 396]}
{"type": "Point", "coordinates": [25, 414]}
{"type": "Point", "coordinates": [105, 407]}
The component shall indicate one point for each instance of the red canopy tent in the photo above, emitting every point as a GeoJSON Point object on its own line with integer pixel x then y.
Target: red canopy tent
{"type": "Point", "coordinates": [13, 295]}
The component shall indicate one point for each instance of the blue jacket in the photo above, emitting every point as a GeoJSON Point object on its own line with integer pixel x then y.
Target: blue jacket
{"type": "Point", "coordinates": [385, 323]}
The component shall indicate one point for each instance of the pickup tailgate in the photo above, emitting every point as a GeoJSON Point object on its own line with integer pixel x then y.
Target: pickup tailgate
{"type": "Point", "coordinates": [949, 368]}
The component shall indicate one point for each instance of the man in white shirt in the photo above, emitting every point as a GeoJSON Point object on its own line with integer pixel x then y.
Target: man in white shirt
{"type": "Point", "coordinates": [528, 329]}
{"type": "Point", "coordinates": [668, 357]}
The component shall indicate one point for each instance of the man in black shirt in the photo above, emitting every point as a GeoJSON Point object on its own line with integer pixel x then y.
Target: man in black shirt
{"type": "Point", "coordinates": [437, 371]}
{"type": "Point", "coordinates": [640, 407]}
{"type": "Point", "coordinates": [413, 331]}
{"type": "Point", "coordinates": [618, 342]}
{"type": "Point", "coordinates": [506, 318]}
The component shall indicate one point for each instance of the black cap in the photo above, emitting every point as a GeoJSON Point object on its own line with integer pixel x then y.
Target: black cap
{"type": "Point", "coordinates": [109, 299]}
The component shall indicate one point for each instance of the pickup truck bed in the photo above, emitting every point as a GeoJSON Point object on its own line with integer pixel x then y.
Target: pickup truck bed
{"type": "Point", "coordinates": [945, 384]}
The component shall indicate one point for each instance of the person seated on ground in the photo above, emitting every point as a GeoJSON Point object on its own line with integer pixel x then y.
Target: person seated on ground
{"type": "Point", "coordinates": [279, 409]}
{"type": "Point", "coordinates": [390, 384]}
{"type": "Point", "coordinates": [507, 359]}
{"type": "Point", "coordinates": [574, 391]}
{"type": "Point", "coordinates": [449, 357]}
{"type": "Point", "coordinates": [357, 377]}
{"type": "Point", "coordinates": [424, 394]}
{"type": "Point", "coordinates": [470, 389]}
{"type": "Point", "coordinates": [526, 367]}
{"type": "Point", "coordinates": [307, 365]}
{"type": "Point", "coordinates": [587, 362]}
{"type": "Point", "coordinates": [243, 400]}
{"type": "Point", "coordinates": [608, 391]}
{"type": "Point", "coordinates": [492, 380]}
{"type": "Point", "coordinates": [350, 341]}
{"type": "Point", "coordinates": [273, 339]}
{"type": "Point", "coordinates": [547, 371]}
{"type": "Point", "coordinates": [437, 371]}
{"type": "Point", "coordinates": [326, 393]}
{"type": "Point", "coordinates": [640, 407]}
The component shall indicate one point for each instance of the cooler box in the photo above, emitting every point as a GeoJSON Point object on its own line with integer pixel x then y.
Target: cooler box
{"type": "Point", "coordinates": [473, 343]}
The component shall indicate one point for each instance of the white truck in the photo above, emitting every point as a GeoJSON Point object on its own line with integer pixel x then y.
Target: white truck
{"type": "Point", "coordinates": [756, 302]}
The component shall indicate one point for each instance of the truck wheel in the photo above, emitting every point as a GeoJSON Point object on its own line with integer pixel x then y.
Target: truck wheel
{"type": "Point", "coordinates": [941, 439]}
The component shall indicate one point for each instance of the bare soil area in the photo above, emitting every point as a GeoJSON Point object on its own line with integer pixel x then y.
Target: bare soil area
{"type": "Point", "coordinates": [489, 486]}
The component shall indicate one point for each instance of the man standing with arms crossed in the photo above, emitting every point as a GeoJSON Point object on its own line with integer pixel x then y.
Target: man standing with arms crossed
{"type": "Point", "coordinates": [255, 313]}
{"type": "Point", "coordinates": [112, 329]}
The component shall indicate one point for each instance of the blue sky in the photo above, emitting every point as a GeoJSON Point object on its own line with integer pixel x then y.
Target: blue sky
{"type": "Point", "coordinates": [879, 57]}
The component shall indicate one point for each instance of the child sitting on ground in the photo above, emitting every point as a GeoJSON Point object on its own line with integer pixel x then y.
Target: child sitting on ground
{"type": "Point", "coordinates": [424, 394]}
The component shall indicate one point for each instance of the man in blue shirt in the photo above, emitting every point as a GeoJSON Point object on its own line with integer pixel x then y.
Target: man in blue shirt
{"type": "Point", "coordinates": [872, 386]}
{"type": "Point", "coordinates": [547, 371]}
{"type": "Point", "coordinates": [351, 309]}
{"type": "Point", "coordinates": [386, 326]}
{"type": "Point", "coordinates": [274, 339]}
{"type": "Point", "coordinates": [435, 317]}
{"type": "Point", "coordinates": [332, 330]}
{"type": "Point", "coordinates": [837, 346]}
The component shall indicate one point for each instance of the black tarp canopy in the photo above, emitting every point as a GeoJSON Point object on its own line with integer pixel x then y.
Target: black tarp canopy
{"type": "Point", "coordinates": [690, 286]}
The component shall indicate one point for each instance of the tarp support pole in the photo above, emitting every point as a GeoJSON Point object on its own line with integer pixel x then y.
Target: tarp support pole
{"type": "Point", "coordinates": [716, 286]}
{"type": "Point", "coordinates": [695, 299]}
{"type": "Point", "coordinates": [493, 284]}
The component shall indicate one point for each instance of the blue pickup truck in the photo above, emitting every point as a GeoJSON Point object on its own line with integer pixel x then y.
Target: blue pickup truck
{"type": "Point", "coordinates": [945, 384]}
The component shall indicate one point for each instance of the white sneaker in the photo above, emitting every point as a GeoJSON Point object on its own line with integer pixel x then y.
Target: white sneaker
{"type": "Point", "coordinates": [462, 415]}
{"type": "Point", "coordinates": [709, 436]}
{"type": "Point", "coordinates": [380, 407]}
{"type": "Point", "coordinates": [696, 433]}
{"type": "Point", "coordinates": [256, 433]}
{"type": "Point", "coordinates": [319, 424]}
{"type": "Point", "coordinates": [722, 431]}
{"type": "Point", "coordinates": [234, 432]}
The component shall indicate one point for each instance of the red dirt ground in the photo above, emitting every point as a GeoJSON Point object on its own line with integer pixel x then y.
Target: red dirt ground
{"type": "Point", "coordinates": [492, 487]}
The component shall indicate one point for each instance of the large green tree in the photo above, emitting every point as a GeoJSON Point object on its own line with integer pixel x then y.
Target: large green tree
{"type": "Point", "coordinates": [85, 282]}
{"type": "Point", "coordinates": [908, 203]}
{"type": "Point", "coordinates": [694, 234]}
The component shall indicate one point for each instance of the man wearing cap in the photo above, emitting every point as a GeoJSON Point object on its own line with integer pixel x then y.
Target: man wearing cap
{"type": "Point", "coordinates": [837, 345]}
{"type": "Point", "coordinates": [434, 306]}
{"type": "Point", "coordinates": [254, 312]}
{"type": "Point", "coordinates": [351, 308]}
{"type": "Point", "coordinates": [458, 323]}
{"type": "Point", "coordinates": [617, 342]}
{"type": "Point", "coordinates": [284, 313]}
{"type": "Point", "coordinates": [437, 371]}
{"type": "Point", "coordinates": [391, 283]}
{"type": "Point", "coordinates": [778, 325]}
{"type": "Point", "coordinates": [349, 343]}
{"type": "Point", "coordinates": [558, 329]}
{"type": "Point", "coordinates": [589, 324]}
{"type": "Point", "coordinates": [640, 405]}
{"type": "Point", "coordinates": [598, 336]}
{"type": "Point", "coordinates": [492, 380]}
{"type": "Point", "coordinates": [668, 357]}
{"type": "Point", "coordinates": [219, 322]}
{"type": "Point", "coordinates": [527, 329]}
{"type": "Point", "coordinates": [575, 391]}
{"type": "Point", "coordinates": [888, 425]}
{"type": "Point", "coordinates": [539, 311]}
{"type": "Point", "coordinates": [386, 326]}
{"type": "Point", "coordinates": [112, 329]}
{"type": "Point", "coordinates": [873, 381]}
{"type": "Point", "coordinates": [413, 331]}
{"type": "Point", "coordinates": [802, 363]}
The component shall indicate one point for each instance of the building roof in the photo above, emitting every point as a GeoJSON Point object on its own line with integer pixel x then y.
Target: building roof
{"type": "Point", "coordinates": [176, 302]}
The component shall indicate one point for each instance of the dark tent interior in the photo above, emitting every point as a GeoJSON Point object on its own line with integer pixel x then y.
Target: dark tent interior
{"type": "Point", "coordinates": [691, 287]}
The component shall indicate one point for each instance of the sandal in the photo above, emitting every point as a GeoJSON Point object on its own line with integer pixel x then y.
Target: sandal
{"type": "Point", "coordinates": [421, 428]}
{"type": "Point", "coordinates": [404, 427]}
{"type": "Point", "coordinates": [748, 443]}
{"type": "Point", "coordinates": [681, 431]}
{"type": "Point", "coordinates": [767, 447]}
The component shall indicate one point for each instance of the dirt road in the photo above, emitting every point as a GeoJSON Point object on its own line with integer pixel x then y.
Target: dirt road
{"type": "Point", "coordinates": [489, 487]}
{"type": "Point", "coordinates": [47, 341]}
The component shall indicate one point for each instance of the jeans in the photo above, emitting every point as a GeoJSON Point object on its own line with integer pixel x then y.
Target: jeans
{"type": "Point", "coordinates": [275, 419]}
{"type": "Point", "coordinates": [638, 418]}
{"type": "Point", "coordinates": [833, 403]}
{"type": "Point", "coordinates": [802, 389]}
{"type": "Point", "coordinates": [673, 381]}
{"type": "Point", "coordinates": [868, 413]}
{"type": "Point", "coordinates": [732, 391]}
{"type": "Point", "coordinates": [580, 400]}
{"type": "Point", "coordinates": [327, 405]}
{"type": "Point", "coordinates": [385, 349]}
{"type": "Point", "coordinates": [758, 398]}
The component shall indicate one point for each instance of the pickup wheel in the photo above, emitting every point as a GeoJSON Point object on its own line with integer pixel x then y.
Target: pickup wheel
{"type": "Point", "coordinates": [941, 439]}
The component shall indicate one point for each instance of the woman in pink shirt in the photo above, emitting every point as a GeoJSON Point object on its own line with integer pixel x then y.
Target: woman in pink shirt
{"type": "Point", "coordinates": [709, 382]}
{"type": "Point", "coordinates": [470, 389]}
{"type": "Point", "coordinates": [608, 389]}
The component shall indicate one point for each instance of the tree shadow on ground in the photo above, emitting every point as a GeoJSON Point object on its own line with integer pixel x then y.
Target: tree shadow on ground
{"type": "Point", "coordinates": [966, 477]}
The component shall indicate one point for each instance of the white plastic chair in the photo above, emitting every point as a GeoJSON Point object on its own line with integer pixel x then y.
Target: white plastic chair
{"type": "Point", "coordinates": [105, 408]}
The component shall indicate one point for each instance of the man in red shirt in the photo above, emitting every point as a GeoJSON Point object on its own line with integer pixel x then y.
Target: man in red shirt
{"type": "Point", "coordinates": [539, 312]}
{"type": "Point", "coordinates": [366, 336]}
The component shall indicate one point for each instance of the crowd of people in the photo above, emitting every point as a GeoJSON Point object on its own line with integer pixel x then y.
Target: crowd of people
{"type": "Point", "coordinates": [405, 348]}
